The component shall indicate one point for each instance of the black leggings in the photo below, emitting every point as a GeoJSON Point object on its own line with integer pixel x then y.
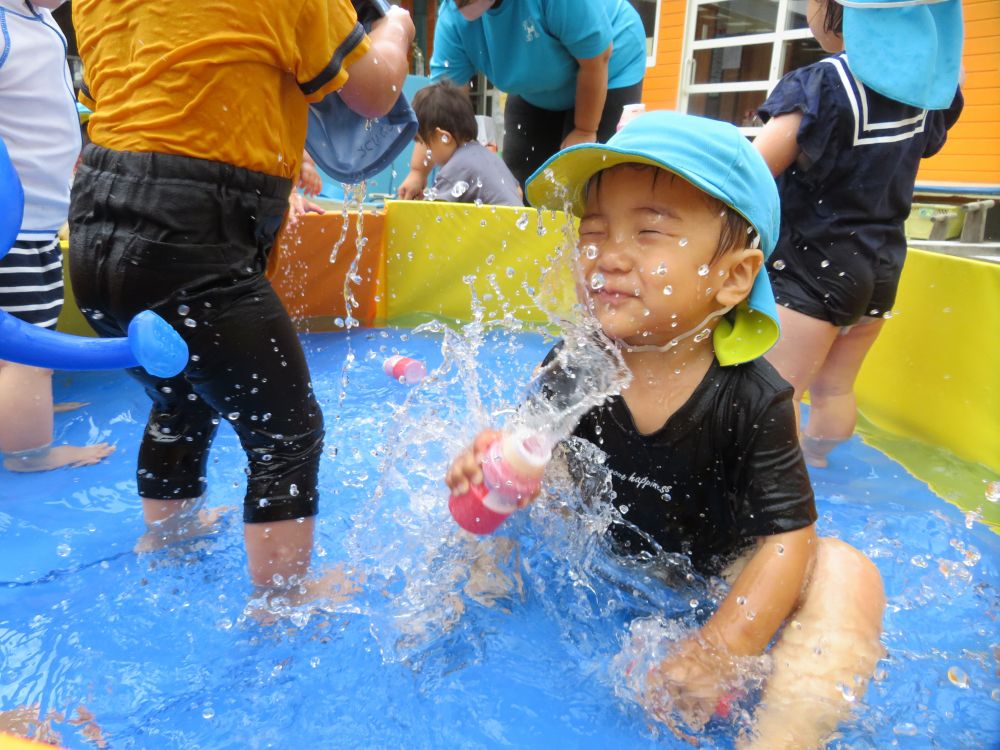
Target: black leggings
{"type": "Point", "coordinates": [189, 239]}
{"type": "Point", "coordinates": [532, 134]}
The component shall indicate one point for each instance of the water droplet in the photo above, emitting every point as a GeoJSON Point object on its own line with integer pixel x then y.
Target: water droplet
{"type": "Point", "coordinates": [846, 692]}
{"type": "Point", "coordinates": [623, 509]}
{"type": "Point", "coordinates": [703, 334]}
{"type": "Point", "coordinates": [166, 389]}
{"type": "Point", "coordinates": [683, 241]}
{"type": "Point", "coordinates": [314, 662]}
{"type": "Point", "coordinates": [510, 272]}
{"type": "Point", "coordinates": [233, 415]}
{"type": "Point", "coordinates": [668, 290]}
{"type": "Point", "coordinates": [459, 189]}
{"type": "Point", "coordinates": [263, 502]}
{"type": "Point", "coordinates": [993, 491]}
{"type": "Point", "coordinates": [63, 550]}
{"type": "Point", "coordinates": [661, 270]}
{"type": "Point", "coordinates": [958, 677]}
{"type": "Point", "coordinates": [741, 600]}
{"type": "Point", "coordinates": [522, 222]}
{"type": "Point", "coordinates": [918, 562]}
{"type": "Point", "coordinates": [190, 322]}
{"type": "Point", "coordinates": [597, 281]}
{"type": "Point", "coordinates": [693, 603]}
{"type": "Point", "coordinates": [778, 265]}
{"type": "Point", "coordinates": [779, 548]}
{"type": "Point", "coordinates": [293, 490]}
{"type": "Point", "coordinates": [703, 270]}
{"type": "Point", "coordinates": [905, 729]}
{"type": "Point", "coordinates": [590, 251]}
{"type": "Point", "coordinates": [208, 712]}
{"type": "Point", "coordinates": [183, 309]}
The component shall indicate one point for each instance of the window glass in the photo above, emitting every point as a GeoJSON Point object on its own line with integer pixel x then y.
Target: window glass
{"type": "Point", "coordinates": [801, 52]}
{"type": "Point", "coordinates": [746, 62]}
{"type": "Point", "coordinates": [737, 107]}
{"type": "Point", "coordinates": [735, 18]}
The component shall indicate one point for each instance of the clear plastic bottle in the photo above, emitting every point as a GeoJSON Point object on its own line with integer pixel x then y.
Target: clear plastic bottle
{"type": "Point", "coordinates": [582, 374]}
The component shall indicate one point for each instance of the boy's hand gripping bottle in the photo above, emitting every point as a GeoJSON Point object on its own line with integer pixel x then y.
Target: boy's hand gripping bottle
{"type": "Point", "coordinates": [512, 475]}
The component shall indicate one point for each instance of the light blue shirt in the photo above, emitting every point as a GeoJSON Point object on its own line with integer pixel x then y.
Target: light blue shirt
{"type": "Point", "coordinates": [531, 47]}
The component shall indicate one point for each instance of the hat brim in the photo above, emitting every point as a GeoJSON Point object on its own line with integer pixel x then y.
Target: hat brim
{"type": "Point", "coordinates": [911, 54]}
{"type": "Point", "coordinates": [749, 330]}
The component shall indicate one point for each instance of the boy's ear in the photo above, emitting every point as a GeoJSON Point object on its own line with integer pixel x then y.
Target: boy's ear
{"type": "Point", "coordinates": [742, 267]}
{"type": "Point", "coordinates": [443, 135]}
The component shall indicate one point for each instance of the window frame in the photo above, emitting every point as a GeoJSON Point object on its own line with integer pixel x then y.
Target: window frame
{"type": "Point", "coordinates": [777, 39]}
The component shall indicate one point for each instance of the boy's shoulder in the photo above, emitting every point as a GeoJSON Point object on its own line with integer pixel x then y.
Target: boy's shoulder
{"type": "Point", "coordinates": [756, 380]}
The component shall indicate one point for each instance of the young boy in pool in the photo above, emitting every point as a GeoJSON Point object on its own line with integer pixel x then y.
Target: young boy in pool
{"type": "Point", "coordinates": [677, 215]}
{"type": "Point", "coordinates": [198, 126]}
{"type": "Point", "coordinates": [467, 170]}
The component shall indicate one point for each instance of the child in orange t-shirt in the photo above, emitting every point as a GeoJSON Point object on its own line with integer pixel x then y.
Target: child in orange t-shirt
{"type": "Point", "coordinates": [175, 209]}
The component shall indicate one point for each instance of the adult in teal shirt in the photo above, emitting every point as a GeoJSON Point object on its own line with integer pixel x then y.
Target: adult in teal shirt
{"type": "Point", "coordinates": [568, 67]}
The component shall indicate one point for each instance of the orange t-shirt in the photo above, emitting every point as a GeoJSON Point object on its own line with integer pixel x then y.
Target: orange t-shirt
{"type": "Point", "coordinates": [213, 79]}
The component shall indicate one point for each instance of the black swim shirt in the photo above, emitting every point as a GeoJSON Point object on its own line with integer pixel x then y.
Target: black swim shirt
{"type": "Point", "coordinates": [725, 469]}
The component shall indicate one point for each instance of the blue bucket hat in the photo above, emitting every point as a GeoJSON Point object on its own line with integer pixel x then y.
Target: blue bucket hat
{"type": "Point", "coordinates": [907, 50]}
{"type": "Point", "coordinates": [718, 160]}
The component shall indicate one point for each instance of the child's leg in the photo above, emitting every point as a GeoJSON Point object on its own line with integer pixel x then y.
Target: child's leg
{"type": "Point", "coordinates": [833, 411]}
{"type": "Point", "coordinates": [802, 349]}
{"type": "Point", "coordinates": [26, 423]}
{"type": "Point", "coordinates": [825, 655]}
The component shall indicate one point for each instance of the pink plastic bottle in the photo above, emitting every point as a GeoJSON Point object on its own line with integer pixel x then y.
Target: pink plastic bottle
{"type": "Point", "coordinates": [512, 471]}
{"type": "Point", "coordinates": [404, 369]}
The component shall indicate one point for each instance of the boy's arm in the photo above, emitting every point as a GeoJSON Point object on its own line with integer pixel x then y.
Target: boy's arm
{"type": "Point", "coordinates": [778, 141]}
{"type": "Point", "coordinates": [763, 595]}
{"type": "Point", "coordinates": [696, 677]}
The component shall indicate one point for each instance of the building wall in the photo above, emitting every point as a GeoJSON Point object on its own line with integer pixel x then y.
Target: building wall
{"type": "Point", "coordinates": [972, 153]}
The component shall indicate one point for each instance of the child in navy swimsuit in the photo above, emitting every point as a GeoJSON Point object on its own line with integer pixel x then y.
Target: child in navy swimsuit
{"type": "Point", "coordinates": [847, 153]}
{"type": "Point", "coordinates": [678, 214]}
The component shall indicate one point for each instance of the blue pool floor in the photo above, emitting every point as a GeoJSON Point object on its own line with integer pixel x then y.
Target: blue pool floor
{"type": "Point", "coordinates": [158, 648]}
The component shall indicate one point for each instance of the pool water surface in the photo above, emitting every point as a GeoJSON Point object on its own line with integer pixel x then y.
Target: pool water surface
{"type": "Point", "coordinates": [159, 648]}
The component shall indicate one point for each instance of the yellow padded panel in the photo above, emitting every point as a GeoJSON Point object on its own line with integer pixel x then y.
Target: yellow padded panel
{"type": "Point", "coordinates": [934, 372]}
{"type": "Point", "coordinates": [430, 247]}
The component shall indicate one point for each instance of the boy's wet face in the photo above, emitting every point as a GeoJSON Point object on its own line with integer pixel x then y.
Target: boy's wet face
{"type": "Point", "coordinates": [647, 240]}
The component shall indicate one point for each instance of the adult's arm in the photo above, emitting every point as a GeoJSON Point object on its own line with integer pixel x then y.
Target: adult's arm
{"type": "Point", "coordinates": [591, 93]}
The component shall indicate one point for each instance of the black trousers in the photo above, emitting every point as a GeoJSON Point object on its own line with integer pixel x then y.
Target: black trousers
{"type": "Point", "coordinates": [532, 134]}
{"type": "Point", "coordinates": [189, 239]}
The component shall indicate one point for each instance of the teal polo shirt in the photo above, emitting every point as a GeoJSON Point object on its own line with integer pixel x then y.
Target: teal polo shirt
{"type": "Point", "coordinates": [531, 47]}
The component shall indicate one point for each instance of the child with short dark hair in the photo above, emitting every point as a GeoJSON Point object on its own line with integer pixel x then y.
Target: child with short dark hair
{"type": "Point", "coordinates": [468, 171]}
{"type": "Point", "coordinates": [677, 214]}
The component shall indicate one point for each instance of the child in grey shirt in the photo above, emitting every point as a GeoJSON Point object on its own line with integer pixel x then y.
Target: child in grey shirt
{"type": "Point", "coordinates": [468, 171]}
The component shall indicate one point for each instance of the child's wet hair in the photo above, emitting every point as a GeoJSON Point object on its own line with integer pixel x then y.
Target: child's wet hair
{"type": "Point", "coordinates": [447, 106]}
{"type": "Point", "coordinates": [736, 232]}
{"type": "Point", "coordinates": [833, 21]}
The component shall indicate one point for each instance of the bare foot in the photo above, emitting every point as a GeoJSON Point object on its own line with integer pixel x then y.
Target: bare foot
{"type": "Point", "coordinates": [816, 449]}
{"type": "Point", "coordinates": [325, 592]}
{"type": "Point", "coordinates": [58, 456]}
{"type": "Point", "coordinates": [68, 406]}
{"type": "Point", "coordinates": [175, 529]}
